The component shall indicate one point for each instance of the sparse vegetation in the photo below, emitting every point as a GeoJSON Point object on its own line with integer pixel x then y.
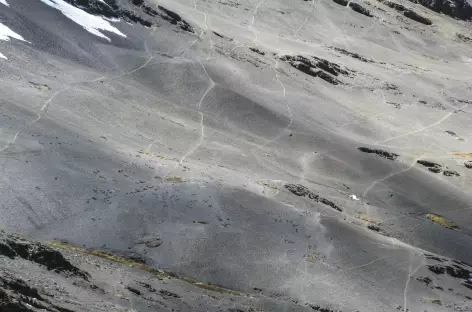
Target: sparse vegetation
{"type": "Point", "coordinates": [441, 221]}
{"type": "Point", "coordinates": [160, 274]}
{"type": "Point", "coordinates": [461, 154]}
{"type": "Point", "coordinates": [175, 179]}
{"type": "Point", "coordinates": [367, 219]}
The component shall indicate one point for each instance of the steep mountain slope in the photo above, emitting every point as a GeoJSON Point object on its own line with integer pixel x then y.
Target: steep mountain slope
{"type": "Point", "coordinates": [305, 155]}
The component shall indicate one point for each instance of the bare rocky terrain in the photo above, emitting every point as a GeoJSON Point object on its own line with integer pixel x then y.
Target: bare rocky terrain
{"type": "Point", "coordinates": [220, 155]}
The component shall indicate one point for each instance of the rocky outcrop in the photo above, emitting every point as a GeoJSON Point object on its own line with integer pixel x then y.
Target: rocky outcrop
{"type": "Point", "coordinates": [256, 50]}
{"type": "Point", "coordinates": [354, 55]}
{"type": "Point", "coordinates": [145, 16]}
{"type": "Point", "coordinates": [458, 270]}
{"type": "Point", "coordinates": [17, 295]}
{"type": "Point", "coordinates": [460, 9]}
{"type": "Point", "coordinates": [13, 246]}
{"type": "Point", "coordinates": [317, 67]}
{"type": "Point", "coordinates": [303, 191]}
{"type": "Point", "coordinates": [432, 166]}
{"type": "Point", "coordinates": [468, 164]}
{"type": "Point", "coordinates": [463, 38]}
{"type": "Point", "coordinates": [356, 7]}
{"type": "Point", "coordinates": [451, 173]}
{"type": "Point", "coordinates": [379, 152]}
{"type": "Point", "coordinates": [418, 18]}
{"type": "Point", "coordinates": [175, 19]}
{"type": "Point", "coordinates": [407, 12]}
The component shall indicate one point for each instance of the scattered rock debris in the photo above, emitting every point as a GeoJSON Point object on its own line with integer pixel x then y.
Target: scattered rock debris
{"type": "Point", "coordinates": [457, 269]}
{"type": "Point", "coordinates": [373, 227]}
{"type": "Point", "coordinates": [144, 17]}
{"type": "Point", "coordinates": [354, 6]}
{"type": "Point", "coordinates": [407, 12]}
{"type": "Point", "coordinates": [151, 242]}
{"type": "Point", "coordinates": [303, 191]}
{"type": "Point", "coordinates": [17, 295]}
{"type": "Point", "coordinates": [454, 135]}
{"type": "Point", "coordinates": [257, 51]}
{"type": "Point", "coordinates": [463, 38]}
{"type": "Point", "coordinates": [317, 67]}
{"type": "Point", "coordinates": [432, 166]}
{"type": "Point", "coordinates": [451, 173]}
{"type": "Point", "coordinates": [379, 152]}
{"type": "Point", "coordinates": [354, 55]}
{"type": "Point", "coordinates": [460, 9]}
{"type": "Point", "coordinates": [13, 246]}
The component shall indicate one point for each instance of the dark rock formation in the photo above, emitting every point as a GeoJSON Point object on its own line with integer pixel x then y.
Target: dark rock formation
{"type": "Point", "coordinates": [356, 7]}
{"type": "Point", "coordinates": [110, 9]}
{"type": "Point", "coordinates": [175, 19]}
{"type": "Point", "coordinates": [416, 17]}
{"type": "Point", "coordinates": [17, 296]}
{"type": "Point", "coordinates": [257, 51]}
{"type": "Point", "coordinates": [13, 247]}
{"type": "Point", "coordinates": [457, 270]}
{"type": "Point", "coordinates": [460, 9]}
{"type": "Point", "coordinates": [317, 67]}
{"type": "Point", "coordinates": [373, 227]}
{"type": "Point", "coordinates": [354, 55]}
{"type": "Point", "coordinates": [407, 12]}
{"type": "Point", "coordinates": [303, 191]}
{"type": "Point", "coordinates": [341, 2]}
{"type": "Point", "coordinates": [381, 153]}
{"type": "Point", "coordinates": [167, 293]}
{"type": "Point", "coordinates": [428, 163]}
{"type": "Point", "coordinates": [451, 173]}
{"type": "Point", "coordinates": [464, 38]}
{"type": "Point", "coordinates": [425, 280]}
{"type": "Point", "coordinates": [435, 169]}
{"type": "Point", "coordinates": [436, 269]}
{"type": "Point", "coordinates": [432, 166]}
{"type": "Point", "coordinates": [468, 164]}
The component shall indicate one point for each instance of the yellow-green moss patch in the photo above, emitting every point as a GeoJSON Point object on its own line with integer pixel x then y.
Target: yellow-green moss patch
{"type": "Point", "coordinates": [441, 221]}
{"type": "Point", "coordinates": [160, 274]}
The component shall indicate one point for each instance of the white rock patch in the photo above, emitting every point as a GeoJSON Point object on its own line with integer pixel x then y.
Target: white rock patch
{"type": "Point", "coordinates": [354, 197]}
{"type": "Point", "coordinates": [90, 22]}
{"type": "Point", "coordinates": [4, 2]}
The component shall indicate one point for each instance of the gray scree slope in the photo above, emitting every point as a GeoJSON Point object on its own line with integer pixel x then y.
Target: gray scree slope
{"type": "Point", "coordinates": [269, 155]}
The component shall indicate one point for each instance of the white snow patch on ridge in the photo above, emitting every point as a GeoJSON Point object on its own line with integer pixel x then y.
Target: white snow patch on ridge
{"type": "Point", "coordinates": [88, 21]}
{"type": "Point", "coordinates": [4, 2]}
{"type": "Point", "coordinates": [5, 35]}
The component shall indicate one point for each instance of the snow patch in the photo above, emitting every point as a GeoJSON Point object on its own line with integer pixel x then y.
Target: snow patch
{"type": "Point", "coordinates": [6, 33]}
{"type": "Point", "coordinates": [89, 22]}
{"type": "Point", "coordinates": [4, 2]}
{"type": "Point", "coordinates": [354, 197]}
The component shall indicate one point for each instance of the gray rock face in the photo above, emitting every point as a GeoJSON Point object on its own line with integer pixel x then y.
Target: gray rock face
{"type": "Point", "coordinates": [460, 9]}
{"type": "Point", "coordinates": [16, 247]}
